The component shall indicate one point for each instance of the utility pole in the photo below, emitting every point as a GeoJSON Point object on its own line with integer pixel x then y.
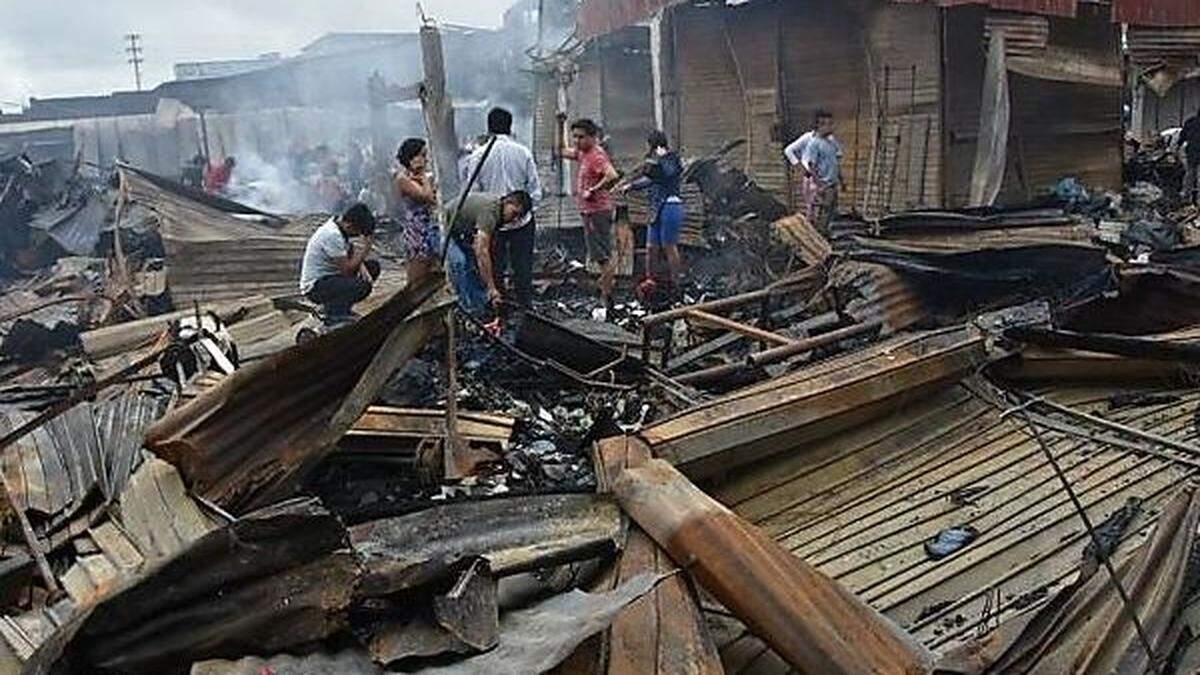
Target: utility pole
{"type": "Point", "coordinates": [135, 56]}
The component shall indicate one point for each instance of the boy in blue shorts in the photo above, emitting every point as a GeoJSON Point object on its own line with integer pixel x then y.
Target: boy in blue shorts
{"type": "Point", "coordinates": [662, 175]}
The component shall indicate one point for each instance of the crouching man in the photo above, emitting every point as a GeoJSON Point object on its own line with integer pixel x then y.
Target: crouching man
{"type": "Point", "coordinates": [472, 233]}
{"type": "Point", "coordinates": [336, 274]}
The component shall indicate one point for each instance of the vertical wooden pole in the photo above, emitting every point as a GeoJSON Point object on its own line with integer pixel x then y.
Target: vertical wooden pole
{"type": "Point", "coordinates": [439, 112]}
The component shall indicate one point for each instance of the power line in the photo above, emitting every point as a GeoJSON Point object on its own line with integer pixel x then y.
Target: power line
{"type": "Point", "coordinates": [135, 57]}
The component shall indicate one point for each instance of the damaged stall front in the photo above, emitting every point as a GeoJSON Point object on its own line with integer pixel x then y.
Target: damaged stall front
{"type": "Point", "coordinates": [1163, 40]}
{"type": "Point", "coordinates": [906, 83]}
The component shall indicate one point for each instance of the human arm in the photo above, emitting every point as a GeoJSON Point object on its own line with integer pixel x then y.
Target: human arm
{"type": "Point", "coordinates": [533, 182]}
{"type": "Point", "coordinates": [793, 151]}
{"type": "Point", "coordinates": [350, 264]}
{"type": "Point", "coordinates": [564, 149]}
{"type": "Point", "coordinates": [483, 259]}
{"type": "Point", "coordinates": [417, 189]}
{"type": "Point", "coordinates": [609, 179]}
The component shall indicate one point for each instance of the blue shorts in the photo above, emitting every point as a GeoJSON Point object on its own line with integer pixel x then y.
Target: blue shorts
{"type": "Point", "coordinates": [664, 231]}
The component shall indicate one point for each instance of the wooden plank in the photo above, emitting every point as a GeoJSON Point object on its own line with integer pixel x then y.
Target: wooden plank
{"type": "Point", "coordinates": [742, 428]}
{"type": "Point", "coordinates": [803, 615]}
{"type": "Point", "coordinates": [114, 544]}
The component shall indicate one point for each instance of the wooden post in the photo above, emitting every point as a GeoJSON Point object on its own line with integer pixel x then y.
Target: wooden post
{"type": "Point", "coordinates": [439, 112]}
{"type": "Point", "coordinates": [811, 621]}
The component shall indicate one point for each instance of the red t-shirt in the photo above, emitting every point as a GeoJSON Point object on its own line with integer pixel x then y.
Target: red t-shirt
{"type": "Point", "coordinates": [216, 177]}
{"type": "Point", "coordinates": [592, 166]}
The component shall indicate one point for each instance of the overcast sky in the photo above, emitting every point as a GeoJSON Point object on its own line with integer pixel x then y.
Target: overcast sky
{"type": "Point", "coordinates": [75, 47]}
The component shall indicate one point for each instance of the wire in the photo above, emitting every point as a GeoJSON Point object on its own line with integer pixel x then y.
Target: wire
{"type": "Point", "coordinates": [1103, 555]}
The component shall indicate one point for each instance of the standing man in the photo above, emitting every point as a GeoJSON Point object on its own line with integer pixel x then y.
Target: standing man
{"type": "Point", "coordinates": [593, 182]}
{"type": "Point", "coordinates": [217, 176]}
{"type": "Point", "coordinates": [472, 232]}
{"type": "Point", "coordinates": [821, 161]}
{"type": "Point", "coordinates": [336, 274]}
{"type": "Point", "coordinates": [1190, 136]}
{"type": "Point", "coordinates": [794, 153]}
{"type": "Point", "coordinates": [510, 168]}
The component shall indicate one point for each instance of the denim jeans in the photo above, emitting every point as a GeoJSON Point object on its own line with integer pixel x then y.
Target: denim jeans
{"type": "Point", "coordinates": [464, 276]}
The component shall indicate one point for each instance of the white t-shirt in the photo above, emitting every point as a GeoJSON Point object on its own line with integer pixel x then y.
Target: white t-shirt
{"type": "Point", "coordinates": [325, 247]}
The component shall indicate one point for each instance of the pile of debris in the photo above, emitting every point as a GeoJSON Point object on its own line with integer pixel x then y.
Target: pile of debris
{"type": "Point", "coordinates": [966, 438]}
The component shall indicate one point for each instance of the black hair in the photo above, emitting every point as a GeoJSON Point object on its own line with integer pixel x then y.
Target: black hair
{"type": "Point", "coordinates": [359, 215]}
{"type": "Point", "coordinates": [409, 149]}
{"type": "Point", "coordinates": [499, 121]}
{"type": "Point", "coordinates": [520, 198]}
{"type": "Point", "coordinates": [586, 126]}
{"type": "Point", "coordinates": [821, 114]}
{"type": "Point", "coordinates": [657, 139]}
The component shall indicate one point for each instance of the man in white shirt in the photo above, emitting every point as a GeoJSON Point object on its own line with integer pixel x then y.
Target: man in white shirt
{"type": "Point", "coordinates": [510, 168]}
{"type": "Point", "coordinates": [335, 274]}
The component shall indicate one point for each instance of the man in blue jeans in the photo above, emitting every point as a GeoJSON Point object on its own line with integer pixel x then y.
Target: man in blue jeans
{"type": "Point", "coordinates": [472, 234]}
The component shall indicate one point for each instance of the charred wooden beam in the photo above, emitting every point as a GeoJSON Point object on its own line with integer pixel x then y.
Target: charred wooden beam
{"type": "Point", "coordinates": [663, 633]}
{"type": "Point", "coordinates": [512, 535]}
{"type": "Point", "coordinates": [780, 414]}
{"type": "Point", "coordinates": [810, 620]}
{"type": "Point", "coordinates": [1120, 345]}
{"type": "Point", "coordinates": [755, 332]}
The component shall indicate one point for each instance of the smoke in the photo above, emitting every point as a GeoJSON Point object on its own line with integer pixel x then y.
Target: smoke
{"type": "Point", "coordinates": [268, 187]}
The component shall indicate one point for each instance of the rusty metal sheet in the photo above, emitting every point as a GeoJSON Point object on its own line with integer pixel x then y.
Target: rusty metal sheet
{"type": "Point", "coordinates": [861, 504]}
{"type": "Point", "coordinates": [597, 17]}
{"type": "Point", "coordinates": [512, 534]}
{"type": "Point", "coordinates": [1157, 12]}
{"type": "Point", "coordinates": [244, 441]}
{"type": "Point", "coordinates": [1046, 7]}
{"type": "Point", "coordinates": [91, 449]}
{"type": "Point", "coordinates": [217, 249]}
{"type": "Point", "coordinates": [1085, 629]}
{"type": "Point", "coordinates": [278, 577]}
{"type": "Point", "coordinates": [873, 293]}
{"type": "Point", "coordinates": [1024, 34]}
{"type": "Point", "coordinates": [1174, 44]}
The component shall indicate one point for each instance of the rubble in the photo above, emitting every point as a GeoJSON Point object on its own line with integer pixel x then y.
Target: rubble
{"type": "Point", "coordinates": [916, 440]}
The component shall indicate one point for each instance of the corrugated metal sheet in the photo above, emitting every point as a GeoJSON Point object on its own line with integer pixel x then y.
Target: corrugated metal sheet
{"type": "Point", "coordinates": [154, 519]}
{"type": "Point", "coordinates": [1173, 44]}
{"type": "Point", "coordinates": [214, 254]}
{"type": "Point", "coordinates": [1157, 12]}
{"type": "Point", "coordinates": [76, 228]}
{"type": "Point", "coordinates": [54, 472]}
{"type": "Point", "coordinates": [860, 506]}
{"type": "Point", "coordinates": [1024, 34]}
{"type": "Point", "coordinates": [727, 79]}
{"type": "Point", "coordinates": [1083, 138]}
{"type": "Point", "coordinates": [1046, 7]}
{"type": "Point", "coordinates": [240, 443]}
{"type": "Point", "coordinates": [597, 17]}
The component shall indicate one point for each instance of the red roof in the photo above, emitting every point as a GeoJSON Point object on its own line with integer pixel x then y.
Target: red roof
{"type": "Point", "coordinates": [1157, 12]}
{"type": "Point", "coordinates": [597, 17]}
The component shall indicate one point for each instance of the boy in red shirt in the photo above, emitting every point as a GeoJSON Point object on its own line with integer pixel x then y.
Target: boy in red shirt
{"type": "Point", "coordinates": [593, 182]}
